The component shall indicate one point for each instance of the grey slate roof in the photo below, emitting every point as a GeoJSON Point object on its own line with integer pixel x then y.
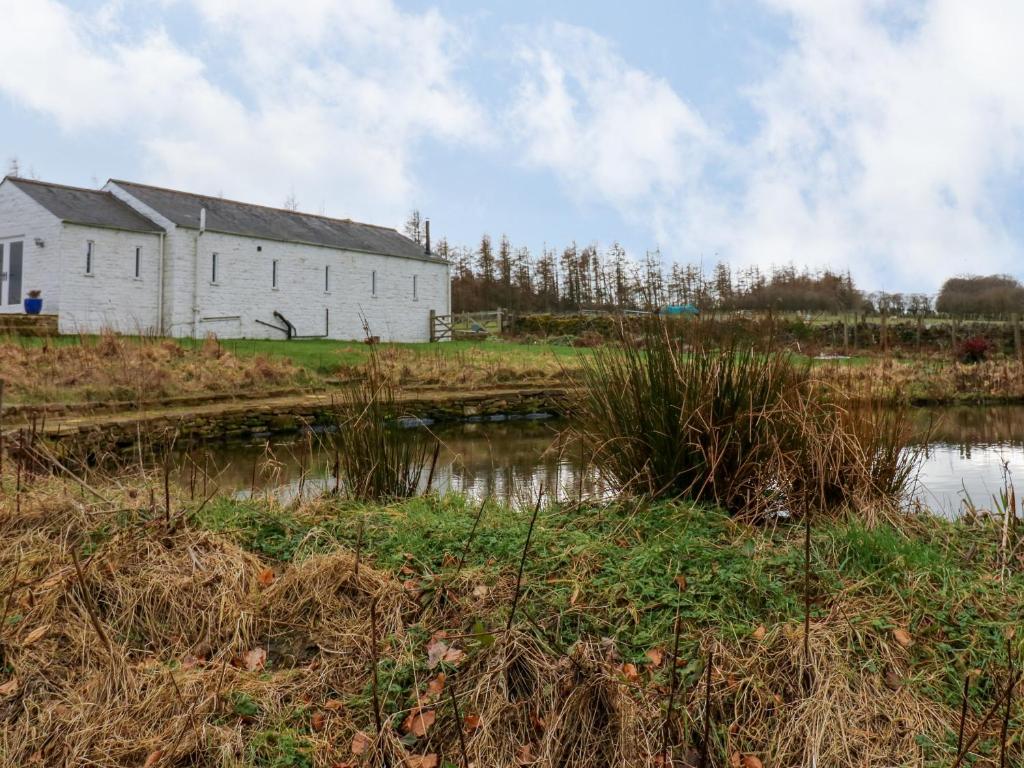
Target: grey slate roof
{"type": "Point", "coordinates": [91, 207]}
{"type": "Point", "coordinates": [231, 217]}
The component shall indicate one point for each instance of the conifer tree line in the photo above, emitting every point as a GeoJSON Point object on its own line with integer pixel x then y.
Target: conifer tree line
{"type": "Point", "coordinates": [571, 278]}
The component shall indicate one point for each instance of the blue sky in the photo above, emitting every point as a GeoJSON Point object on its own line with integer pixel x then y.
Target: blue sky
{"type": "Point", "coordinates": [882, 137]}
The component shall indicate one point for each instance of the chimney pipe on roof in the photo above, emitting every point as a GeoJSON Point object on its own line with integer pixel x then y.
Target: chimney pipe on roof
{"type": "Point", "coordinates": [426, 250]}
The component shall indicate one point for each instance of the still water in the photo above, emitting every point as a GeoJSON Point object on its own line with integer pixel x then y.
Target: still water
{"type": "Point", "coordinates": [970, 454]}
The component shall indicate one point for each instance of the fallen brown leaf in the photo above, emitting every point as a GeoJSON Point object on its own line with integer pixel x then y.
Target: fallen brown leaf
{"type": "Point", "coordinates": [902, 637]}
{"type": "Point", "coordinates": [9, 688]}
{"type": "Point", "coordinates": [656, 656]}
{"type": "Point", "coordinates": [318, 720]}
{"type": "Point", "coordinates": [266, 577]}
{"type": "Point", "coordinates": [35, 635]}
{"type": "Point", "coordinates": [759, 633]}
{"type": "Point", "coordinates": [681, 582]}
{"type": "Point", "coordinates": [524, 755]}
{"type": "Point", "coordinates": [436, 649]}
{"type": "Point", "coordinates": [436, 686]}
{"type": "Point", "coordinates": [421, 761]}
{"type": "Point", "coordinates": [360, 743]}
{"type": "Point", "coordinates": [254, 659]}
{"type": "Point", "coordinates": [629, 671]}
{"type": "Point", "coordinates": [418, 722]}
{"type": "Point", "coordinates": [472, 722]}
{"type": "Point", "coordinates": [751, 761]}
{"type": "Point", "coordinates": [153, 758]}
{"type": "Point", "coordinates": [454, 656]}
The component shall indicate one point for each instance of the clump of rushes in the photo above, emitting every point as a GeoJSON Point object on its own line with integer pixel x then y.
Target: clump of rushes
{"type": "Point", "coordinates": [747, 429]}
{"type": "Point", "coordinates": [377, 460]}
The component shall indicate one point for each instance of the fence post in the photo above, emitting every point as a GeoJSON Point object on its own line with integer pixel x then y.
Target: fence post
{"type": "Point", "coordinates": [433, 318]}
{"type": "Point", "coordinates": [501, 327]}
{"type": "Point", "coordinates": [1016, 334]}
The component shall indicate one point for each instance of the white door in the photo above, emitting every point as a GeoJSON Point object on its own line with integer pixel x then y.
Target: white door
{"type": "Point", "coordinates": [11, 267]}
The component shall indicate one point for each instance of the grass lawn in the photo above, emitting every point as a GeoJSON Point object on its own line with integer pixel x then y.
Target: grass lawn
{"type": "Point", "coordinates": [327, 356]}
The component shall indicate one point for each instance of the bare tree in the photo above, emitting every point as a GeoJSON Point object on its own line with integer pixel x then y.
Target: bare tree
{"type": "Point", "coordinates": [414, 227]}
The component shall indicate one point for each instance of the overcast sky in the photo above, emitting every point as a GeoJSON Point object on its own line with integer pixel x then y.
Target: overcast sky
{"type": "Point", "coordinates": [883, 137]}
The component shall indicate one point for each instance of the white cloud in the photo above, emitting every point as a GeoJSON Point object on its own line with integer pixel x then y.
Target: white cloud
{"type": "Point", "coordinates": [611, 132]}
{"type": "Point", "coordinates": [883, 135]}
{"type": "Point", "coordinates": [328, 99]}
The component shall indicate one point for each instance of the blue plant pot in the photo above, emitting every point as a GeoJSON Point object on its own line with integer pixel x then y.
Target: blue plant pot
{"type": "Point", "coordinates": [33, 306]}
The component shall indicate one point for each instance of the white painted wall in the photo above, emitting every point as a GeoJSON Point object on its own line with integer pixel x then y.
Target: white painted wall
{"type": "Point", "coordinates": [171, 289]}
{"type": "Point", "coordinates": [23, 219]}
{"type": "Point", "coordinates": [244, 291]}
{"type": "Point", "coordinates": [111, 297]}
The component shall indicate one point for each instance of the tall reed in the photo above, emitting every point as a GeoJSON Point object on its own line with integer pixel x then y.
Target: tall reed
{"type": "Point", "coordinates": [751, 430]}
{"type": "Point", "coordinates": [376, 459]}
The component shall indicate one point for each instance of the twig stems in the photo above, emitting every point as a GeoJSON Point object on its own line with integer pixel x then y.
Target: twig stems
{"type": "Point", "coordinates": [90, 609]}
{"type": "Point", "coordinates": [522, 562]}
{"type": "Point", "coordinates": [375, 658]}
{"type": "Point", "coordinates": [705, 746]}
{"type": "Point", "coordinates": [459, 727]}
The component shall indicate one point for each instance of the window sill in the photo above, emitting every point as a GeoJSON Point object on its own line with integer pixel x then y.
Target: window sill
{"type": "Point", "coordinates": [215, 285]}
{"type": "Point", "coordinates": [275, 290]}
{"type": "Point", "coordinates": [137, 279]}
{"type": "Point", "coordinates": [88, 274]}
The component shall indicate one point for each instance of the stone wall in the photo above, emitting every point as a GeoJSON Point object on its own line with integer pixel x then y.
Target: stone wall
{"type": "Point", "coordinates": [264, 421]}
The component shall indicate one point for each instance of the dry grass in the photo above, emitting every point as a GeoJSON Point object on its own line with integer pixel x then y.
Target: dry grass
{"type": "Point", "coordinates": [928, 379]}
{"type": "Point", "coordinates": [112, 367]}
{"type": "Point", "coordinates": [175, 674]}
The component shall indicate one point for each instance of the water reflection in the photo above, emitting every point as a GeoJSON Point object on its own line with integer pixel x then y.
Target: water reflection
{"type": "Point", "coordinates": [971, 451]}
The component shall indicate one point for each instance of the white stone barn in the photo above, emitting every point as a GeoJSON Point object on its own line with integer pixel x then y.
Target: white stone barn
{"type": "Point", "coordinates": [138, 259]}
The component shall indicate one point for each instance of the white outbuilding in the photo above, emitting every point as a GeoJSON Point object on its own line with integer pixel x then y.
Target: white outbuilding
{"type": "Point", "coordinates": [139, 259]}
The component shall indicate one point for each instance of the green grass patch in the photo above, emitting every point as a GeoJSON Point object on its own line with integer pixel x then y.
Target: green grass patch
{"type": "Point", "coordinates": [611, 572]}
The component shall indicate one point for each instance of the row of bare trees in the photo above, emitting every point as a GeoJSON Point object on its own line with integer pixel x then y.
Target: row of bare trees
{"type": "Point", "coordinates": [498, 273]}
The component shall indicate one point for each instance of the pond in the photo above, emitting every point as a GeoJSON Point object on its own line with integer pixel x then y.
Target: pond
{"type": "Point", "coordinates": [971, 452]}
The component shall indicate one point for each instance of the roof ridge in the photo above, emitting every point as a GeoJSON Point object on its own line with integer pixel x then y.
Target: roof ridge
{"type": "Point", "coordinates": [254, 205]}
{"type": "Point", "coordinates": [41, 183]}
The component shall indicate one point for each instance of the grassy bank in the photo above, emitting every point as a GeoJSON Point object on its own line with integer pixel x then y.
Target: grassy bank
{"type": "Point", "coordinates": [100, 369]}
{"type": "Point", "coordinates": [243, 633]}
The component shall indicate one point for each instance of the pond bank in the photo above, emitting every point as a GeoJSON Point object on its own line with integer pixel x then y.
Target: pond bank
{"type": "Point", "coordinates": [245, 419]}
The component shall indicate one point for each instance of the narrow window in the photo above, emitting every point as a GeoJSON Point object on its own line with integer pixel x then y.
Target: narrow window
{"type": "Point", "coordinates": [138, 261]}
{"type": "Point", "coordinates": [327, 279]}
{"type": "Point", "coordinates": [415, 288]}
{"type": "Point", "coordinates": [89, 249]}
{"type": "Point", "coordinates": [273, 274]}
{"type": "Point", "coordinates": [373, 283]}
{"type": "Point", "coordinates": [213, 268]}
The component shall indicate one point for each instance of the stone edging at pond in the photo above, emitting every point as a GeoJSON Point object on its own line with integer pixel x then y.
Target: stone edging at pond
{"type": "Point", "coordinates": [255, 420]}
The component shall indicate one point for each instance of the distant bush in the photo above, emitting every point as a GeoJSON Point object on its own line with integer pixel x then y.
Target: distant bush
{"type": "Point", "coordinates": [974, 350]}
